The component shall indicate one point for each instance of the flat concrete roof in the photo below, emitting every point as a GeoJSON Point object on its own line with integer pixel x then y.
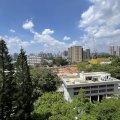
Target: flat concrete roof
{"type": "Point", "coordinates": [74, 79]}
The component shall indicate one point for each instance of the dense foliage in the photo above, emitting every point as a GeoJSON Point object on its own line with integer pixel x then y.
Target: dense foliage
{"type": "Point", "coordinates": [59, 61]}
{"type": "Point", "coordinates": [44, 80]}
{"type": "Point", "coordinates": [24, 103]}
{"type": "Point", "coordinates": [52, 106]}
{"type": "Point", "coordinates": [7, 83]}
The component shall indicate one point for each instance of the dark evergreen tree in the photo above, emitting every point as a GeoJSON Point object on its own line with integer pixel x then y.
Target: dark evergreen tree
{"type": "Point", "coordinates": [25, 89]}
{"type": "Point", "coordinates": [7, 83]}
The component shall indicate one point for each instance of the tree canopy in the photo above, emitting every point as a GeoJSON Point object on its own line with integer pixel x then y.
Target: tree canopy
{"type": "Point", "coordinates": [44, 80]}
{"type": "Point", "coordinates": [24, 103]}
{"type": "Point", "coordinates": [52, 106]}
{"type": "Point", "coordinates": [7, 83]}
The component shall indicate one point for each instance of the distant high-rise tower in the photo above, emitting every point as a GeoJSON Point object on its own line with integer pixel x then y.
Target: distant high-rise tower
{"type": "Point", "coordinates": [112, 50]}
{"type": "Point", "coordinates": [118, 51]}
{"type": "Point", "coordinates": [75, 54]}
{"type": "Point", "coordinates": [87, 54]}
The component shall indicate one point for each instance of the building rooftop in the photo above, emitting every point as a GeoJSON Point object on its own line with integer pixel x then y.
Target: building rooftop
{"type": "Point", "coordinates": [87, 78]}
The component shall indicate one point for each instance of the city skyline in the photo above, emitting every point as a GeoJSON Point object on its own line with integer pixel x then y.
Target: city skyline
{"type": "Point", "coordinates": [52, 26]}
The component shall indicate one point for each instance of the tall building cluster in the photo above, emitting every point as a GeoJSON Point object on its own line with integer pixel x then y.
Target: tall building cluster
{"type": "Point", "coordinates": [114, 50]}
{"type": "Point", "coordinates": [77, 54]}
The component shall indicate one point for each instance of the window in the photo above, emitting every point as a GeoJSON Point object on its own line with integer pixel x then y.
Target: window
{"type": "Point", "coordinates": [110, 85]}
{"type": "Point", "coordinates": [102, 86]}
{"type": "Point", "coordinates": [104, 90]}
{"type": "Point", "coordinates": [94, 86]}
{"type": "Point", "coordinates": [110, 90]}
{"type": "Point", "coordinates": [77, 88]}
{"type": "Point", "coordinates": [94, 91]}
{"type": "Point", "coordinates": [87, 92]}
{"type": "Point", "coordinates": [87, 87]}
{"type": "Point", "coordinates": [88, 78]}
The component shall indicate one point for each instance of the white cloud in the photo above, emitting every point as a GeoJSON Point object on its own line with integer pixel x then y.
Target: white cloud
{"type": "Point", "coordinates": [47, 32]}
{"type": "Point", "coordinates": [66, 38]}
{"type": "Point", "coordinates": [101, 22]}
{"type": "Point", "coordinates": [46, 39]}
{"type": "Point", "coordinates": [75, 43]}
{"type": "Point", "coordinates": [12, 30]}
{"type": "Point", "coordinates": [15, 43]}
{"type": "Point", "coordinates": [43, 40]}
{"type": "Point", "coordinates": [28, 25]}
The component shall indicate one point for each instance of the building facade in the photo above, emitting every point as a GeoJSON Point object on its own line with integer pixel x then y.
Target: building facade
{"type": "Point", "coordinates": [95, 84]}
{"type": "Point", "coordinates": [34, 60]}
{"type": "Point", "coordinates": [75, 54]}
{"type": "Point", "coordinates": [112, 50]}
{"type": "Point", "coordinates": [118, 51]}
{"type": "Point", "coordinates": [86, 54]}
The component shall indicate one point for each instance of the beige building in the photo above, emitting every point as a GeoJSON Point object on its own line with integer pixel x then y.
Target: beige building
{"type": "Point", "coordinates": [75, 54]}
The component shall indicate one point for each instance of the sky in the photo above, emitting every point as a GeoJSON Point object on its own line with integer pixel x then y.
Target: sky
{"type": "Point", "coordinates": [54, 25]}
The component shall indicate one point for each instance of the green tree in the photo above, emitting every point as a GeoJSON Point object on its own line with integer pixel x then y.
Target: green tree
{"type": "Point", "coordinates": [81, 104]}
{"type": "Point", "coordinates": [44, 80]}
{"type": "Point", "coordinates": [59, 61]}
{"type": "Point", "coordinates": [115, 72]}
{"type": "Point", "coordinates": [107, 110]}
{"type": "Point", "coordinates": [52, 106]}
{"type": "Point", "coordinates": [25, 88]}
{"type": "Point", "coordinates": [7, 83]}
{"type": "Point", "coordinates": [116, 62]}
{"type": "Point", "coordinates": [84, 66]}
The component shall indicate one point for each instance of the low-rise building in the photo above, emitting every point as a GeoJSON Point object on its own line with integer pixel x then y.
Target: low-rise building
{"type": "Point", "coordinates": [34, 60]}
{"type": "Point", "coordinates": [95, 84]}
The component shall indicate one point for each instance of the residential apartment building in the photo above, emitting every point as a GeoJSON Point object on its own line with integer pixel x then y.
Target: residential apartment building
{"type": "Point", "coordinates": [34, 60]}
{"type": "Point", "coordinates": [95, 84]}
{"type": "Point", "coordinates": [86, 54]}
{"type": "Point", "coordinates": [65, 54]}
{"type": "Point", "coordinates": [114, 50]}
{"type": "Point", "coordinates": [75, 54]}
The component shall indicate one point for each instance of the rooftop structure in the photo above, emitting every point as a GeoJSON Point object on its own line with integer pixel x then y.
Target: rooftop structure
{"type": "Point", "coordinates": [95, 84]}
